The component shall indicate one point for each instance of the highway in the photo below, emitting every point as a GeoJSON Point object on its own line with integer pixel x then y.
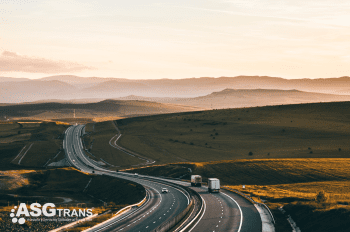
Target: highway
{"type": "Point", "coordinates": [159, 208]}
{"type": "Point", "coordinates": [224, 211]}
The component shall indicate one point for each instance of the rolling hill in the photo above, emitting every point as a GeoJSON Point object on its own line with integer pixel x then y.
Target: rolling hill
{"type": "Point", "coordinates": [105, 108]}
{"type": "Point", "coordinates": [315, 130]}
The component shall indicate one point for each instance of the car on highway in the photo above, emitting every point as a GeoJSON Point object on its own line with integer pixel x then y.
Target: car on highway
{"type": "Point", "coordinates": [165, 190]}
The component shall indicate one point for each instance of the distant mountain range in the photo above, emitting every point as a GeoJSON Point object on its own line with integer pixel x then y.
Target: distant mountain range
{"type": "Point", "coordinates": [64, 87]}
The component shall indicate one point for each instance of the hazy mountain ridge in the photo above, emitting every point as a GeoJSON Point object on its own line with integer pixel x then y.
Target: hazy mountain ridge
{"type": "Point", "coordinates": [234, 98]}
{"type": "Point", "coordinates": [73, 87]}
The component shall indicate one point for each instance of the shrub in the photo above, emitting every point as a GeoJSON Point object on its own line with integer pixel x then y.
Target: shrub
{"type": "Point", "coordinates": [321, 197]}
{"type": "Point", "coordinates": [176, 140]}
{"type": "Point", "coordinates": [216, 133]}
{"type": "Point", "coordinates": [213, 137]}
{"type": "Point", "coordinates": [250, 153]}
{"type": "Point", "coordinates": [206, 143]}
{"type": "Point", "coordinates": [339, 149]}
{"type": "Point", "coordinates": [283, 130]}
{"type": "Point", "coordinates": [311, 152]}
{"type": "Point", "coordinates": [191, 143]}
{"type": "Point", "coordinates": [170, 140]}
{"type": "Point", "coordinates": [309, 148]}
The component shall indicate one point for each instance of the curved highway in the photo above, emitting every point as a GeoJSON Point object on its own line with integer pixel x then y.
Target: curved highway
{"type": "Point", "coordinates": [159, 208]}
{"type": "Point", "coordinates": [224, 211]}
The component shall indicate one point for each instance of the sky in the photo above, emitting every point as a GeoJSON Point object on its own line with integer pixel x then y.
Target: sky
{"type": "Point", "coordinates": [139, 39]}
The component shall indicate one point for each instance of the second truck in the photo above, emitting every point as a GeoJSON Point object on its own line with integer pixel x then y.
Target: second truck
{"type": "Point", "coordinates": [196, 180]}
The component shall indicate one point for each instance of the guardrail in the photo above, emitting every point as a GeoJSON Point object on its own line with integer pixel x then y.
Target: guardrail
{"type": "Point", "coordinates": [195, 218]}
{"type": "Point", "coordinates": [268, 209]}
{"type": "Point", "coordinates": [251, 201]}
{"type": "Point", "coordinates": [120, 212]}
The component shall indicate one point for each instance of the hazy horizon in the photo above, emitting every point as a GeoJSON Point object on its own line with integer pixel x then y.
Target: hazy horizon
{"type": "Point", "coordinates": [162, 39]}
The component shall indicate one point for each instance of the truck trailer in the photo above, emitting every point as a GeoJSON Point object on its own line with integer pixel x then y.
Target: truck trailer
{"type": "Point", "coordinates": [213, 185]}
{"type": "Point", "coordinates": [196, 180]}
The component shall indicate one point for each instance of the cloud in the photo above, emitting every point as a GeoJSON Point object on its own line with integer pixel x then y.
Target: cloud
{"type": "Point", "coordinates": [13, 62]}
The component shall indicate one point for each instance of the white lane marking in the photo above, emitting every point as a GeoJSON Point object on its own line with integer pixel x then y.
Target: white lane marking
{"type": "Point", "coordinates": [205, 207]}
{"type": "Point", "coordinates": [240, 210]}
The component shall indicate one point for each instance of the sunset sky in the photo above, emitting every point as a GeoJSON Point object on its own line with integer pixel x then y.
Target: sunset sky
{"type": "Point", "coordinates": [175, 39]}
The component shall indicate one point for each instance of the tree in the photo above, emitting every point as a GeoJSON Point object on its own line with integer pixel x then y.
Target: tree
{"type": "Point", "coordinates": [250, 153]}
{"type": "Point", "coordinates": [321, 197]}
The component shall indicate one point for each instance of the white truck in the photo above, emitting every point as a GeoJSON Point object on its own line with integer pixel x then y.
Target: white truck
{"type": "Point", "coordinates": [196, 180]}
{"type": "Point", "coordinates": [213, 185]}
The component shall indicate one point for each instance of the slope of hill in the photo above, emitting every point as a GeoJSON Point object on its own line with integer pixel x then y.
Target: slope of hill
{"type": "Point", "coordinates": [316, 130]}
{"type": "Point", "coordinates": [90, 110]}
